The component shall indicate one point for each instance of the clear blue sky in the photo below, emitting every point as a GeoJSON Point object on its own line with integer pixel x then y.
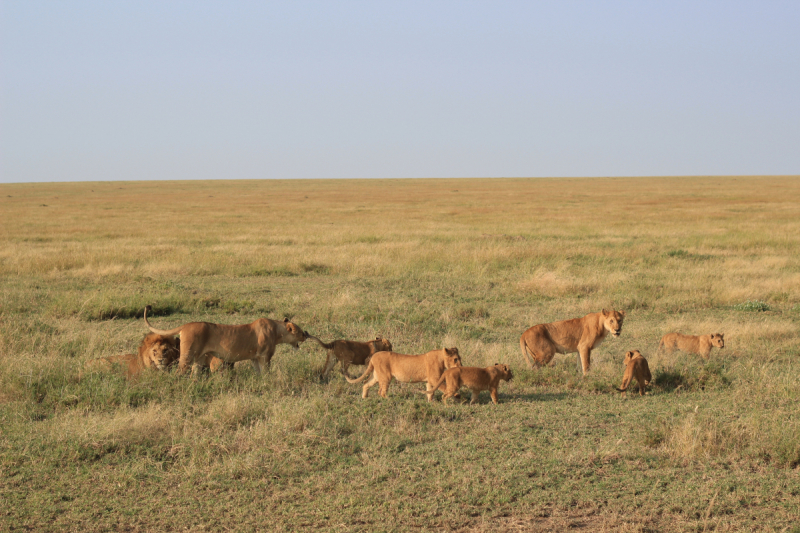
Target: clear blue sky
{"type": "Point", "coordinates": [207, 90]}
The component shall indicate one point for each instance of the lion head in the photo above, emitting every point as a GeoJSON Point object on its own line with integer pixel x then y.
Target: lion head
{"type": "Point", "coordinates": [504, 372]}
{"type": "Point", "coordinates": [633, 354]}
{"type": "Point", "coordinates": [159, 351]}
{"type": "Point", "coordinates": [451, 357]}
{"type": "Point", "coordinates": [380, 345]}
{"type": "Point", "coordinates": [294, 334]}
{"type": "Point", "coordinates": [718, 340]}
{"type": "Point", "coordinates": [612, 321]}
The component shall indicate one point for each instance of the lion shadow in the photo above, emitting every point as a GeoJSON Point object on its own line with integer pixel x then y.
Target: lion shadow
{"type": "Point", "coordinates": [536, 396]}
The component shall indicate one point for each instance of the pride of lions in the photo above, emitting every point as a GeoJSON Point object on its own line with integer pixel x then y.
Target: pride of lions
{"type": "Point", "coordinates": [206, 346]}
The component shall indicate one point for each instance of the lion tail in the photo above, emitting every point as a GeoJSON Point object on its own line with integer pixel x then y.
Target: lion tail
{"type": "Point", "coordinates": [327, 346]}
{"type": "Point", "coordinates": [526, 353]}
{"type": "Point", "coordinates": [363, 376]}
{"type": "Point", "coordinates": [438, 384]}
{"type": "Point", "coordinates": [169, 332]}
{"type": "Point", "coordinates": [621, 390]}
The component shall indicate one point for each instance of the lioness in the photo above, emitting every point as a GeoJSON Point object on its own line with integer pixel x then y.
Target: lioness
{"type": "Point", "coordinates": [351, 353]}
{"type": "Point", "coordinates": [635, 368]}
{"type": "Point", "coordinates": [407, 368]}
{"type": "Point", "coordinates": [541, 342]}
{"type": "Point", "coordinates": [691, 343]}
{"type": "Point", "coordinates": [476, 379]}
{"type": "Point", "coordinates": [200, 341]}
{"type": "Point", "coordinates": [155, 351]}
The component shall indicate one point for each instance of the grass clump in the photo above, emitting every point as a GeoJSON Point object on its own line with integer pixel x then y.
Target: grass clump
{"type": "Point", "coordinates": [752, 306]}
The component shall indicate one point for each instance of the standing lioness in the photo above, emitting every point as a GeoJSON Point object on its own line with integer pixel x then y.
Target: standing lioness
{"type": "Point", "coordinates": [691, 343]}
{"type": "Point", "coordinates": [476, 379]}
{"type": "Point", "coordinates": [201, 341]}
{"type": "Point", "coordinates": [541, 342]}
{"type": "Point", "coordinates": [407, 368]}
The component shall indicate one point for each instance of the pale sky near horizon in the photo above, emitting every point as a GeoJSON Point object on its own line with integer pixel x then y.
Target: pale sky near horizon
{"type": "Point", "coordinates": [130, 90]}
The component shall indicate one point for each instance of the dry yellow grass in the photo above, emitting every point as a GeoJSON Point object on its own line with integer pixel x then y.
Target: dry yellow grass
{"type": "Point", "coordinates": [426, 263]}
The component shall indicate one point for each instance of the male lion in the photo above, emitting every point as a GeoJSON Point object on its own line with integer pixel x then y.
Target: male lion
{"type": "Point", "coordinates": [407, 368]}
{"type": "Point", "coordinates": [635, 368]}
{"type": "Point", "coordinates": [541, 342]}
{"type": "Point", "coordinates": [201, 341]}
{"type": "Point", "coordinates": [691, 343]}
{"type": "Point", "coordinates": [351, 353]}
{"type": "Point", "coordinates": [156, 351]}
{"type": "Point", "coordinates": [474, 378]}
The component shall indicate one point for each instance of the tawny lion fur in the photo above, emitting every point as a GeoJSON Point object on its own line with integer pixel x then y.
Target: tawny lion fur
{"type": "Point", "coordinates": [256, 342]}
{"type": "Point", "coordinates": [156, 351]}
{"type": "Point", "coordinates": [541, 342]}
{"type": "Point", "coordinates": [474, 378]}
{"type": "Point", "coordinates": [351, 353]}
{"type": "Point", "coordinates": [636, 367]}
{"type": "Point", "coordinates": [700, 345]}
{"type": "Point", "coordinates": [427, 367]}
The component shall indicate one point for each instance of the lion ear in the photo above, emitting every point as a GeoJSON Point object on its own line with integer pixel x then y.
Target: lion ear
{"type": "Point", "coordinates": [622, 314]}
{"type": "Point", "coordinates": [285, 319]}
{"type": "Point", "coordinates": [605, 312]}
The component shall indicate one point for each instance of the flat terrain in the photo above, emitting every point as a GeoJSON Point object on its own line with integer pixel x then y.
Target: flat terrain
{"type": "Point", "coordinates": [714, 446]}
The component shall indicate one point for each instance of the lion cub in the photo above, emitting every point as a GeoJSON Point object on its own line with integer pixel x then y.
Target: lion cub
{"type": "Point", "coordinates": [635, 368]}
{"type": "Point", "coordinates": [351, 353]}
{"type": "Point", "coordinates": [691, 343]}
{"type": "Point", "coordinates": [474, 378]}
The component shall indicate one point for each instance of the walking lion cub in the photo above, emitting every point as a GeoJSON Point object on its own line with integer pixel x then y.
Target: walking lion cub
{"type": "Point", "coordinates": [474, 378]}
{"type": "Point", "coordinates": [700, 345]}
{"type": "Point", "coordinates": [635, 368]}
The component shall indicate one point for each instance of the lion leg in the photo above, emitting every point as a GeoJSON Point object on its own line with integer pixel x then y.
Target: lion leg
{"type": "Point", "coordinates": [493, 394]}
{"type": "Point", "coordinates": [266, 359]}
{"type": "Point", "coordinates": [641, 386]}
{"type": "Point", "coordinates": [585, 354]}
{"type": "Point", "coordinates": [368, 385]}
{"type": "Point", "coordinates": [443, 387]}
{"type": "Point", "coordinates": [190, 357]}
{"type": "Point", "coordinates": [474, 399]}
{"type": "Point", "coordinates": [624, 387]}
{"type": "Point", "coordinates": [184, 362]}
{"type": "Point", "coordinates": [345, 364]}
{"type": "Point", "coordinates": [330, 362]}
{"type": "Point", "coordinates": [447, 394]}
{"type": "Point", "coordinates": [197, 369]}
{"type": "Point", "coordinates": [256, 364]}
{"type": "Point", "coordinates": [384, 390]}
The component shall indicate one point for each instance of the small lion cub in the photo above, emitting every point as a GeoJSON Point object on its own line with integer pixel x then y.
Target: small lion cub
{"type": "Point", "coordinates": [700, 345]}
{"type": "Point", "coordinates": [474, 378]}
{"type": "Point", "coordinates": [635, 368]}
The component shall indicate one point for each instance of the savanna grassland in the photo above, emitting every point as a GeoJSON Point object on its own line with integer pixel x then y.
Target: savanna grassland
{"type": "Point", "coordinates": [714, 446]}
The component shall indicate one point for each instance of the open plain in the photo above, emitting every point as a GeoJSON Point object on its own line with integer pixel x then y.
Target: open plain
{"type": "Point", "coordinates": [472, 263]}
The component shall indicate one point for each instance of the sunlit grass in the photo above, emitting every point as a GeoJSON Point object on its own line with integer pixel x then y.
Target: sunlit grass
{"type": "Point", "coordinates": [425, 263]}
